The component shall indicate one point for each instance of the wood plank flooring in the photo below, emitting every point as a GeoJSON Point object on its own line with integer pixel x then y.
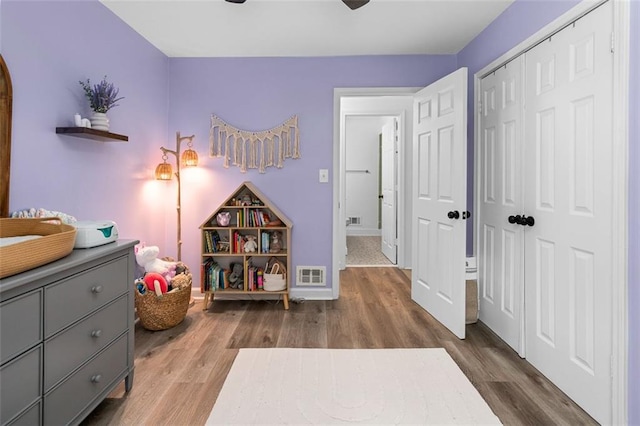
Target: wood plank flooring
{"type": "Point", "coordinates": [179, 372]}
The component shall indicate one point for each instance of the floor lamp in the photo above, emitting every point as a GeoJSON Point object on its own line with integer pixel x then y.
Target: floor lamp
{"type": "Point", "coordinates": [164, 171]}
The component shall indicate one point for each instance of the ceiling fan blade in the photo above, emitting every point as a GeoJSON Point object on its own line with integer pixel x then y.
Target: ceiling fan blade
{"type": "Point", "coordinates": [354, 4]}
{"type": "Point", "coordinates": [236, 1]}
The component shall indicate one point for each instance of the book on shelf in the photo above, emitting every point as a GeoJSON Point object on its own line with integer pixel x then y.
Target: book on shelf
{"type": "Point", "coordinates": [225, 278]}
{"type": "Point", "coordinates": [265, 242]}
{"type": "Point", "coordinates": [250, 284]}
{"type": "Point", "coordinates": [221, 279]}
{"type": "Point", "coordinates": [213, 276]}
{"type": "Point", "coordinates": [212, 238]}
{"type": "Point", "coordinates": [257, 218]}
{"type": "Point", "coordinates": [205, 274]}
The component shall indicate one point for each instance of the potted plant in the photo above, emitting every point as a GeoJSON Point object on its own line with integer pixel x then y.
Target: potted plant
{"type": "Point", "coordinates": [102, 97]}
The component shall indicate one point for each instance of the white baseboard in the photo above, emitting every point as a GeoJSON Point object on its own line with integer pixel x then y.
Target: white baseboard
{"type": "Point", "coordinates": [323, 293]}
{"type": "Point", "coordinates": [295, 293]}
{"type": "Point", "coordinates": [353, 231]}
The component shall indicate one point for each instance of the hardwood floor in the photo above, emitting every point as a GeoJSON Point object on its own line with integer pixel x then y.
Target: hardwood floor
{"type": "Point", "coordinates": [179, 372]}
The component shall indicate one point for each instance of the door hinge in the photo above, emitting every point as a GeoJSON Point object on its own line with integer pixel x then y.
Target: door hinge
{"type": "Point", "coordinates": [480, 107]}
{"type": "Point", "coordinates": [613, 41]}
{"type": "Point", "coordinates": [396, 121]}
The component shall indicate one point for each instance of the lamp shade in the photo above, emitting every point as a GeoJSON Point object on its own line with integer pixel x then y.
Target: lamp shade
{"type": "Point", "coordinates": [164, 171]}
{"type": "Point", "coordinates": [189, 158]}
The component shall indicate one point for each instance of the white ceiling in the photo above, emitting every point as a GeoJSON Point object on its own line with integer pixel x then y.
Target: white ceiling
{"type": "Point", "coordinates": [216, 28]}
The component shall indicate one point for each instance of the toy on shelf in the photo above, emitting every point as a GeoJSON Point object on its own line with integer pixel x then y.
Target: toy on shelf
{"type": "Point", "coordinates": [250, 245]}
{"type": "Point", "coordinates": [236, 277]}
{"type": "Point", "coordinates": [275, 245]}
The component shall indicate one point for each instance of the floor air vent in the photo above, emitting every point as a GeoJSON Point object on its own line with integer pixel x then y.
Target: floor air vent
{"type": "Point", "coordinates": [311, 276]}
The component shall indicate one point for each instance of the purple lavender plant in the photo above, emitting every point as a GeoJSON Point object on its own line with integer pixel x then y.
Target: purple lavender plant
{"type": "Point", "coordinates": [102, 96]}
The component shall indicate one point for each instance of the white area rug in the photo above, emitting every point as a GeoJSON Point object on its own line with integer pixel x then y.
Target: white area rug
{"type": "Point", "coordinates": [348, 386]}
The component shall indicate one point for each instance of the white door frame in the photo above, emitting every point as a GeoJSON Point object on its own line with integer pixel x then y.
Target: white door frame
{"type": "Point", "coordinates": [339, 227]}
{"type": "Point", "coordinates": [619, 184]}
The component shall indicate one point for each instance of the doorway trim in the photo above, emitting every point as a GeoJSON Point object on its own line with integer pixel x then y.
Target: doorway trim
{"type": "Point", "coordinates": [620, 191]}
{"type": "Point", "coordinates": [339, 168]}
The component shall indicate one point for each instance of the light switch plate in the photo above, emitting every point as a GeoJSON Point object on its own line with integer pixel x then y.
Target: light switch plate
{"type": "Point", "coordinates": [323, 175]}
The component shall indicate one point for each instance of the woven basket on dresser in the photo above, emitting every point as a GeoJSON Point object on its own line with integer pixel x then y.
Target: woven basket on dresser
{"type": "Point", "coordinates": [56, 241]}
{"type": "Point", "coordinates": [162, 312]}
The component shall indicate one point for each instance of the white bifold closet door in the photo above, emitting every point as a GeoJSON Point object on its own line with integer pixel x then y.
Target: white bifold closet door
{"type": "Point", "coordinates": [545, 162]}
{"type": "Point", "coordinates": [568, 151]}
{"type": "Point", "coordinates": [501, 196]}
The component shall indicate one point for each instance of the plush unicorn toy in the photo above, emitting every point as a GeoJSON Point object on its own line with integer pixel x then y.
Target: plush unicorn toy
{"type": "Point", "coordinates": [147, 258]}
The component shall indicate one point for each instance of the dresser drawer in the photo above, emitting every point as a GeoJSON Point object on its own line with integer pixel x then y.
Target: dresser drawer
{"type": "Point", "coordinates": [71, 348]}
{"type": "Point", "coordinates": [63, 404]}
{"type": "Point", "coordinates": [20, 324]}
{"type": "Point", "coordinates": [20, 383]}
{"type": "Point", "coordinates": [30, 417]}
{"type": "Point", "coordinates": [69, 300]}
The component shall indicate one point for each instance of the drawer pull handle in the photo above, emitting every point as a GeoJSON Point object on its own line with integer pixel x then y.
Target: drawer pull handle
{"type": "Point", "coordinates": [96, 289]}
{"type": "Point", "coordinates": [96, 378]}
{"type": "Point", "coordinates": [96, 333]}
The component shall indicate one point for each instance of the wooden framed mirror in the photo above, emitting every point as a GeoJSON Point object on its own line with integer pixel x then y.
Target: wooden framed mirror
{"type": "Point", "coordinates": [6, 101]}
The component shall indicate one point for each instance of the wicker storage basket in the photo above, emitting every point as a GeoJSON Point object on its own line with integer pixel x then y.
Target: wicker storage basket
{"type": "Point", "coordinates": [162, 312]}
{"type": "Point", "coordinates": [57, 240]}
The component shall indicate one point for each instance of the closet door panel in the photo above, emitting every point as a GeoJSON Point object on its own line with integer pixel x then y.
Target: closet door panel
{"type": "Point", "coordinates": [567, 185]}
{"type": "Point", "coordinates": [500, 153]}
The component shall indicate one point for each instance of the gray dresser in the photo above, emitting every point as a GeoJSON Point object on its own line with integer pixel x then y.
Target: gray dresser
{"type": "Point", "coordinates": [66, 335]}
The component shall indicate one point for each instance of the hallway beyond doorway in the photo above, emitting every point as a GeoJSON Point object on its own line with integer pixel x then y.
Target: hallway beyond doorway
{"type": "Point", "coordinates": [365, 250]}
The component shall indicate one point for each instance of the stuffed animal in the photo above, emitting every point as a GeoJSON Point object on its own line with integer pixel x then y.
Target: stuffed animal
{"type": "Point", "coordinates": [181, 268]}
{"type": "Point", "coordinates": [250, 245]}
{"type": "Point", "coordinates": [147, 257]}
{"type": "Point", "coordinates": [223, 218]}
{"type": "Point", "coordinates": [181, 281]}
{"type": "Point", "coordinates": [156, 282]}
{"type": "Point", "coordinates": [275, 246]}
{"type": "Point", "coordinates": [236, 277]}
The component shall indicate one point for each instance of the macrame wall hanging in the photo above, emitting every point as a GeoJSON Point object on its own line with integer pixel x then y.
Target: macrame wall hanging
{"type": "Point", "coordinates": [254, 150]}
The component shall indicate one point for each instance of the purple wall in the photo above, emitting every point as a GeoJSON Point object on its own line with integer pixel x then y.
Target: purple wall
{"type": "Point", "coordinates": [49, 46]}
{"type": "Point", "coordinates": [522, 19]}
{"type": "Point", "coordinates": [259, 93]}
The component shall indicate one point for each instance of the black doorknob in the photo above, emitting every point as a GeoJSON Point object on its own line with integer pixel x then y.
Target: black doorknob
{"type": "Point", "coordinates": [528, 220]}
{"type": "Point", "coordinates": [466, 214]}
{"type": "Point", "coordinates": [514, 219]}
{"type": "Point", "coordinates": [453, 214]}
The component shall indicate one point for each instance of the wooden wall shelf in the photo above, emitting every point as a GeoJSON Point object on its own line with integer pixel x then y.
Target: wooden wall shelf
{"type": "Point", "coordinates": [87, 133]}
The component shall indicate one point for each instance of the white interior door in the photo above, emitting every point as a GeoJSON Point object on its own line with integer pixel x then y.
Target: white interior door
{"type": "Point", "coordinates": [568, 176]}
{"type": "Point", "coordinates": [500, 197]}
{"type": "Point", "coordinates": [439, 199]}
{"type": "Point", "coordinates": [389, 226]}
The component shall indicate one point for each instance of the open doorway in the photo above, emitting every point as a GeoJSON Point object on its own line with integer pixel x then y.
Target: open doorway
{"type": "Point", "coordinates": [389, 102]}
{"type": "Point", "coordinates": [370, 185]}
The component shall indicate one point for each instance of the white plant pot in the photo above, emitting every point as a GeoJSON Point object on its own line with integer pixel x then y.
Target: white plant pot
{"type": "Point", "coordinates": [100, 121]}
